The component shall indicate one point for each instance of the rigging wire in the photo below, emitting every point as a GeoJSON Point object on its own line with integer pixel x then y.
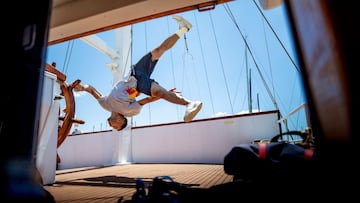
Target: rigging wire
{"type": "Point", "coordinates": [269, 60]}
{"type": "Point", "coordinates": [291, 99]}
{"type": "Point", "coordinates": [171, 56]}
{"type": "Point", "coordinates": [252, 56]}
{"type": "Point", "coordinates": [277, 37]}
{"type": "Point", "coordinates": [185, 74]}
{"type": "Point", "coordinates": [205, 67]}
{"type": "Point", "coordinates": [187, 53]}
{"type": "Point", "coordinates": [67, 56]}
{"type": "Point", "coordinates": [128, 56]}
{"type": "Point", "coordinates": [186, 44]}
{"type": "Point", "coordinates": [282, 45]}
{"type": "Point", "coordinates": [241, 106]}
{"type": "Point", "coordinates": [221, 62]}
{"type": "Point", "coordinates": [173, 68]}
{"type": "Point", "coordinates": [146, 48]}
{"type": "Point", "coordinates": [238, 85]}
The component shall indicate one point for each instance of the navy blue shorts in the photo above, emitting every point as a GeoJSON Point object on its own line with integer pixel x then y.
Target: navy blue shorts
{"type": "Point", "coordinates": [142, 71]}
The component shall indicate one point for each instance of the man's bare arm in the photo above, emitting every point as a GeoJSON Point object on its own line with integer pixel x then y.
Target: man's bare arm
{"type": "Point", "coordinates": [90, 89]}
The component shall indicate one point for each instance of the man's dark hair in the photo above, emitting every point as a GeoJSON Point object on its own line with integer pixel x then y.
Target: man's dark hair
{"type": "Point", "coordinates": [124, 124]}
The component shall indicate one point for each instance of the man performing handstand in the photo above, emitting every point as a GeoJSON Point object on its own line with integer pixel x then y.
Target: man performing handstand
{"type": "Point", "coordinates": [121, 101]}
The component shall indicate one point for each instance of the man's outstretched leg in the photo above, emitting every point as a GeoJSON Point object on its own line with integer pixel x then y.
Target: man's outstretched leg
{"type": "Point", "coordinates": [192, 107]}
{"type": "Point", "coordinates": [184, 26]}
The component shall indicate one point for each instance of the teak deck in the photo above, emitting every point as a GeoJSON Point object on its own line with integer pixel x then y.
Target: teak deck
{"type": "Point", "coordinates": [117, 183]}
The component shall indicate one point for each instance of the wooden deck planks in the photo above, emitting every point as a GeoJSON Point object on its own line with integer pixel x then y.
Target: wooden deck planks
{"type": "Point", "coordinates": [113, 184]}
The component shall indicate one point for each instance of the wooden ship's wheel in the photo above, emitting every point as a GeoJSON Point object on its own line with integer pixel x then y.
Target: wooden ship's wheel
{"type": "Point", "coordinates": [69, 112]}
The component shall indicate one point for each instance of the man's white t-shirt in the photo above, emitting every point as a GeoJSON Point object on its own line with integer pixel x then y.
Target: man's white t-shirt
{"type": "Point", "coordinates": [122, 98]}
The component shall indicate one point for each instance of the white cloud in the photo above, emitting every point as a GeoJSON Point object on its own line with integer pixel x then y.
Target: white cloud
{"type": "Point", "coordinates": [247, 111]}
{"type": "Point", "coordinates": [79, 94]}
{"type": "Point", "coordinates": [219, 114]}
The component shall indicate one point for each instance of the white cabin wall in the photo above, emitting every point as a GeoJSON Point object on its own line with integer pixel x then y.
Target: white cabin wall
{"type": "Point", "coordinates": [200, 142]}
{"type": "Point", "coordinates": [205, 141]}
{"type": "Point", "coordinates": [95, 149]}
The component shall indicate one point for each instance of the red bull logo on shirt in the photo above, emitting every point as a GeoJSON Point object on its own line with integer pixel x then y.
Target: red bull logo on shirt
{"type": "Point", "coordinates": [132, 91]}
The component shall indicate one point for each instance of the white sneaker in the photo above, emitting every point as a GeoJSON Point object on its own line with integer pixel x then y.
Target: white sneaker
{"type": "Point", "coordinates": [191, 110]}
{"type": "Point", "coordinates": [182, 22]}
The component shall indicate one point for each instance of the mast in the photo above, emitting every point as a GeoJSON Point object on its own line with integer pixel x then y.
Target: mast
{"type": "Point", "coordinates": [120, 55]}
{"type": "Point", "coordinates": [248, 77]}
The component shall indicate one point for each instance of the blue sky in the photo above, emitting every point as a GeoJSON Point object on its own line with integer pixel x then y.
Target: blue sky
{"type": "Point", "coordinates": [210, 65]}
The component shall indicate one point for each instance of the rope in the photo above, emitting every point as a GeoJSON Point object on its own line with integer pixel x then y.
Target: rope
{"type": "Point", "coordinates": [222, 65]}
{"type": "Point", "coordinates": [238, 85]}
{"type": "Point", "coordinates": [173, 69]}
{"type": "Point", "coordinates": [204, 65]}
{"type": "Point", "coordinates": [269, 61]}
{"type": "Point", "coordinates": [282, 45]}
{"type": "Point", "coordinates": [252, 56]}
{"type": "Point", "coordinates": [146, 48]}
{"type": "Point", "coordinates": [67, 56]}
{"type": "Point", "coordinates": [184, 75]}
{"type": "Point", "coordinates": [186, 44]}
{"type": "Point", "coordinates": [192, 65]}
